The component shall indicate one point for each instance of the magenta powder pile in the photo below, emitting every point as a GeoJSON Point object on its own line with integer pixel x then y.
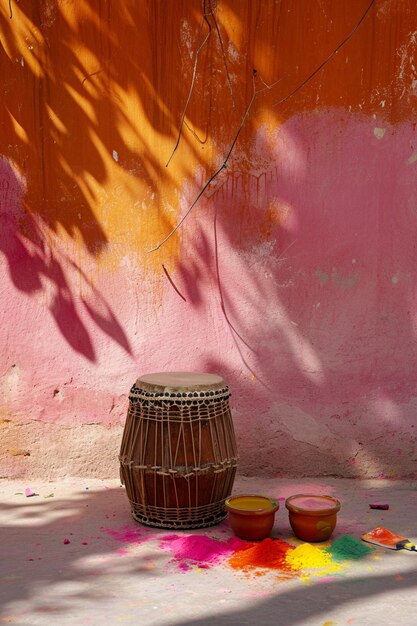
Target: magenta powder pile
{"type": "Point", "coordinates": [199, 550]}
{"type": "Point", "coordinates": [186, 550]}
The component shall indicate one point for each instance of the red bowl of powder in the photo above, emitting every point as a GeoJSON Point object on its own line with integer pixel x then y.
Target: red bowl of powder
{"type": "Point", "coordinates": [312, 518]}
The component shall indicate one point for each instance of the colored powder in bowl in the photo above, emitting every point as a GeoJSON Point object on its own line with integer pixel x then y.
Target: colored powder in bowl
{"type": "Point", "coordinates": [312, 503]}
{"type": "Point", "coordinates": [200, 549]}
{"type": "Point", "coordinates": [307, 556]}
{"type": "Point", "coordinates": [348, 547]}
{"type": "Point", "coordinates": [266, 554]}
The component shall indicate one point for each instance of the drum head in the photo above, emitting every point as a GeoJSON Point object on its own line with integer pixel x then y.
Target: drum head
{"type": "Point", "coordinates": [180, 381]}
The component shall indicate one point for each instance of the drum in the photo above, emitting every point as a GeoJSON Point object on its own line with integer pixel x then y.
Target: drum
{"type": "Point", "coordinates": [178, 455]}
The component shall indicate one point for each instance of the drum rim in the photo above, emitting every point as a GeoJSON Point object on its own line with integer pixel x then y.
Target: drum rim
{"type": "Point", "coordinates": [214, 382]}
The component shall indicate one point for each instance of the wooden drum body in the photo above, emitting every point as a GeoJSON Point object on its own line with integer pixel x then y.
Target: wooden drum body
{"type": "Point", "coordinates": [178, 455]}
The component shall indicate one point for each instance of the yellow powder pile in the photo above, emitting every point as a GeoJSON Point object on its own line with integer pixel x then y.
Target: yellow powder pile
{"type": "Point", "coordinates": [307, 556]}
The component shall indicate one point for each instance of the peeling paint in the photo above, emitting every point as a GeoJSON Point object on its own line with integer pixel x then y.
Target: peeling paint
{"type": "Point", "coordinates": [379, 132]}
{"type": "Point", "coordinates": [322, 276]}
{"type": "Point", "coordinates": [346, 281]}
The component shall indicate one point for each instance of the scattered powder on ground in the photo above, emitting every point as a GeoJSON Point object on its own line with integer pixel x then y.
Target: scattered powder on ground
{"type": "Point", "coordinates": [201, 550]}
{"type": "Point", "coordinates": [269, 554]}
{"type": "Point", "coordinates": [266, 554]}
{"type": "Point", "coordinates": [348, 547]}
{"type": "Point", "coordinates": [128, 534]}
{"type": "Point", "coordinates": [307, 556]}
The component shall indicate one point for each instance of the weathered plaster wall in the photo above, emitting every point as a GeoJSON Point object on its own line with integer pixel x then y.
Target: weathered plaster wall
{"type": "Point", "coordinates": [297, 266]}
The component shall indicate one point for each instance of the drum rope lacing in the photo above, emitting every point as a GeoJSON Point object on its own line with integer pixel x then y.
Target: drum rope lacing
{"type": "Point", "coordinates": [178, 456]}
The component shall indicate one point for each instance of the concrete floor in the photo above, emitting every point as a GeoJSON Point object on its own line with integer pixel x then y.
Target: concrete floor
{"type": "Point", "coordinates": [98, 579]}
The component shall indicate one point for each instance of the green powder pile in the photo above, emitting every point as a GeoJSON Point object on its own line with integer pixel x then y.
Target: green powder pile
{"type": "Point", "coordinates": [347, 547]}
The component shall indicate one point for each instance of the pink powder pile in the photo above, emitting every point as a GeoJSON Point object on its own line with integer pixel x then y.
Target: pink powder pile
{"type": "Point", "coordinates": [187, 550]}
{"type": "Point", "coordinates": [199, 549]}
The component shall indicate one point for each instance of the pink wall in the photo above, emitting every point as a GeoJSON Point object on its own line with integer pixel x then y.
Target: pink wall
{"type": "Point", "coordinates": [299, 277]}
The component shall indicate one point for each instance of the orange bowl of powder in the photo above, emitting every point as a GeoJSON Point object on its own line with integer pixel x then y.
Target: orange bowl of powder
{"type": "Point", "coordinates": [312, 518]}
{"type": "Point", "coordinates": [251, 517]}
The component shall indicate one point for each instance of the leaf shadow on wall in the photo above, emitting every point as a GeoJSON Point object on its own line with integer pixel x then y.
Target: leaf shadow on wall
{"type": "Point", "coordinates": [40, 203]}
{"type": "Point", "coordinates": [316, 290]}
{"type": "Point", "coordinates": [87, 97]}
{"type": "Point", "coordinates": [83, 88]}
{"type": "Point", "coordinates": [315, 324]}
{"type": "Point", "coordinates": [33, 261]}
{"type": "Point", "coordinates": [309, 280]}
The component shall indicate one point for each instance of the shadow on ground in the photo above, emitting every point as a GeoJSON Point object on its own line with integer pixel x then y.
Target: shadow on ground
{"type": "Point", "coordinates": [100, 569]}
{"type": "Point", "coordinates": [296, 606]}
{"type": "Point", "coordinates": [36, 557]}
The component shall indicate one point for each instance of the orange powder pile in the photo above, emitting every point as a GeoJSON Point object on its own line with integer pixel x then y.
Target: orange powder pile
{"type": "Point", "coordinates": [267, 554]}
